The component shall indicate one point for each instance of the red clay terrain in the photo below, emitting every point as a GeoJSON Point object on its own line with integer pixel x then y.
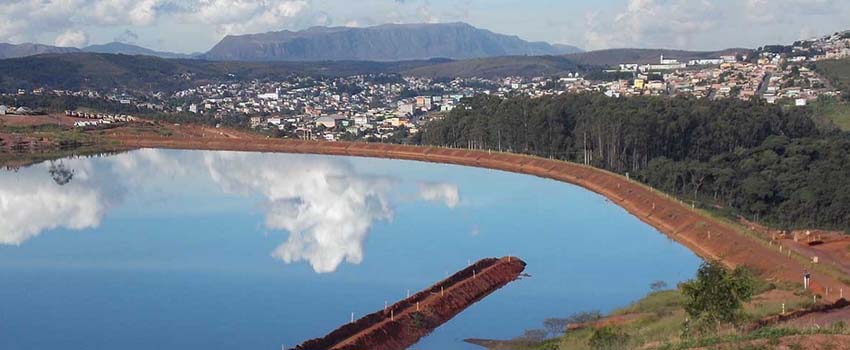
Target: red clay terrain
{"type": "Point", "coordinates": [706, 236]}
{"type": "Point", "coordinates": [401, 325]}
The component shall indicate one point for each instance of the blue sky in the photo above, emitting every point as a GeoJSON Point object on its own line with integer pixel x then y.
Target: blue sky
{"type": "Point", "coordinates": [196, 25]}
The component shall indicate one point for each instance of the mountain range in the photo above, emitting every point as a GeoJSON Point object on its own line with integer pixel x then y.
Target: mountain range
{"type": "Point", "coordinates": [384, 43]}
{"type": "Point", "coordinates": [30, 49]}
{"type": "Point", "coordinates": [389, 42]}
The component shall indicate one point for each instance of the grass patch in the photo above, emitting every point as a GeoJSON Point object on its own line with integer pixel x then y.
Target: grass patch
{"type": "Point", "coordinates": [831, 113]}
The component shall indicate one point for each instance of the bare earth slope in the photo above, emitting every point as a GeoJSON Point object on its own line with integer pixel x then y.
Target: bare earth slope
{"type": "Point", "coordinates": [706, 236]}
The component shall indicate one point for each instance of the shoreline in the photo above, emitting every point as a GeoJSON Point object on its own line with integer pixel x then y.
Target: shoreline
{"type": "Point", "coordinates": [708, 237]}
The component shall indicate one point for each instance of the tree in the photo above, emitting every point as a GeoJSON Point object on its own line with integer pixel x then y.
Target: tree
{"type": "Point", "coordinates": [657, 286]}
{"type": "Point", "coordinates": [716, 296]}
{"type": "Point", "coordinates": [556, 326]}
{"type": "Point", "coordinates": [607, 338]}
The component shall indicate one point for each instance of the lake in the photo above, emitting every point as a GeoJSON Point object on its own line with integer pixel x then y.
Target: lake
{"type": "Point", "coordinates": [163, 249]}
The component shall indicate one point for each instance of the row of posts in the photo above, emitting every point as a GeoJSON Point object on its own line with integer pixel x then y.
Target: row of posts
{"type": "Point", "coordinates": [442, 293]}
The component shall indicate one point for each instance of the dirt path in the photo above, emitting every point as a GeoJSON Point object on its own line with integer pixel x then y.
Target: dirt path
{"type": "Point", "coordinates": [404, 323]}
{"type": "Point", "coordinates": [706, 236]}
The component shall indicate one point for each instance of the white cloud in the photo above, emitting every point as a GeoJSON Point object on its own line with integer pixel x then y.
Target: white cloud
{"type": "Point", "coordinates": [243, 16]}
{"type": "Point", "coordinates": [34, 203]}
{"type": "Point", "coordinates": [327, 208]}
{"type": "Point", "coordinates": [440, 192]}
{"type": "Point", "coordinates": [710, 24]}
{"type": "Point", "coordinates": [659, 23]}
{"type": "Point", "coordinates": [72, 38]}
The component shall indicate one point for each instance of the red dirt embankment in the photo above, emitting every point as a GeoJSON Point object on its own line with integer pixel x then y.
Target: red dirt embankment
{"type": "Point", "coordinates": [709, 238]}
{"type": "Point", "coordinates": [404, 323]}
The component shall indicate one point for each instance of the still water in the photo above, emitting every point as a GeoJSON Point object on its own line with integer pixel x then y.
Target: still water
{"type": "Point", "coordinates": [159, 249]}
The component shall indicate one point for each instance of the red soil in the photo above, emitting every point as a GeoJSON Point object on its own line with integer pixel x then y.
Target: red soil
{"type": "Point", "coordinates": [404, 323]}
{"type": "Point", "coordinates": [709, 238]}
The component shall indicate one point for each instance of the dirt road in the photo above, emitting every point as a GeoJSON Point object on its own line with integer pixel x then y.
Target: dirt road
{"type": "Point", "coordinates": [710, 238]}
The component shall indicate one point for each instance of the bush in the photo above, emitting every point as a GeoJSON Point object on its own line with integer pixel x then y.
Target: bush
{"type": "Point", "coordinates": [608, 338]}
{"type": "Point", "coordinates": [716, 296]}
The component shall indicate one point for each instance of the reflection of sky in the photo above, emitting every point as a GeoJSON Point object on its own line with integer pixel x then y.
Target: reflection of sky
{"type": "Point", "coordinates": [176, 250]}
{"type": "Point", "coordinates": [325, 206]}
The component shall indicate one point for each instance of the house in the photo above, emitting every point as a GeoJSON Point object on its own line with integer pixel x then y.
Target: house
{"type": "Point", "coordinates": [329, 122]}
{"type": "Point", "coordinates": [256, 121]}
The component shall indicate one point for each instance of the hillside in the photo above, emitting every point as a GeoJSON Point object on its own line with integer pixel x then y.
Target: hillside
{"type": "Point", "coordinates": [611, 57]}
{"type": "Point", "coordinates": [29, 49]}
{"type": "Point", "coordinates": [129, 49]}
{"type": "Point", "coordinates": [390, 42]}
{"type": "Point", "coordinates": [107, 71]}
{"type": "Point", "coordinates": [527, 66]}
{"type": "Point", "coordinates": [838, 74]}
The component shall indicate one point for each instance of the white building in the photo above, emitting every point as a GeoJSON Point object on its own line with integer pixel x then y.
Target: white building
{"type": "Point", "coordinates": [269, 96]}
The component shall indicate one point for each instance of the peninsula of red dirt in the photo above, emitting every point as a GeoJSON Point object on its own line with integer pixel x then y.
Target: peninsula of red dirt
{"type": "Point", "coordinates": [402, 324]}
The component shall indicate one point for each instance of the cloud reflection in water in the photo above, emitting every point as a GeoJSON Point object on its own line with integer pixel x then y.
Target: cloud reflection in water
{"type": "Point", "coordinates": [325, 205]}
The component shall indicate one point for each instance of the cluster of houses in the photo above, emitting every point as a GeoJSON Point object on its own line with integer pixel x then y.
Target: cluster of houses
{"type": "Point", "coordinates": [95, 119]}
{"type": "Point", "coordinates": [4, 110]}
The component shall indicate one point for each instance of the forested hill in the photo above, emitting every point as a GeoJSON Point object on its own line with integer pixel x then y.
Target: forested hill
{"type": "Point", "coordinates": [613, 57]}
{"type": "Point", "coordinates": [75, 71]}
{"type": "Point", "coordinates": [766, 162]}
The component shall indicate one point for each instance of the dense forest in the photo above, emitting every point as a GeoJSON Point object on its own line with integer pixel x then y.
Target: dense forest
{"type": "Point", "coordinates": [764, 162]}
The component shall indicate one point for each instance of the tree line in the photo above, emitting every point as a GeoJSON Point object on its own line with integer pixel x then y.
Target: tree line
{"type": "Point", "coordinates": [766, 162]}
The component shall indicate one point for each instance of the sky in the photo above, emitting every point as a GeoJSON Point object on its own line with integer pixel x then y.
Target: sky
{"type": "Point", "coordinates": [196, 25]}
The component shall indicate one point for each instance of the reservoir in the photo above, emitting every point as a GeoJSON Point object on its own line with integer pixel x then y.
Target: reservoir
{"type": "Point", "coordinates": [164, 249]}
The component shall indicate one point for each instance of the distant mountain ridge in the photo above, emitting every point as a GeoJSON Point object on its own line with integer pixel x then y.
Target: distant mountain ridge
{"type": "Point", "coordinates": [130, 49]}
{"type": "Point", "coordinates": [388, 42]}
{"type": "Point", "coordinates": [30, 49]}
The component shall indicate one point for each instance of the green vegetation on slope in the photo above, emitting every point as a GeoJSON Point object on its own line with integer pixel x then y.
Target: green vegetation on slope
{"type": "Point", "coordinates": [768, 163]}
{"type": "Point", "coordinates": [103, 72]}
{"type": "Point", "coordinates": [665, 319]}
{"type": "Point", "coordinates": [830, 113]}
{"type": "Point", "coordinates": [838, 73]}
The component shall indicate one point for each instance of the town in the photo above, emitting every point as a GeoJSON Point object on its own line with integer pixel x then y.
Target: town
{"type": "Point", "coordinates": [387, 107]}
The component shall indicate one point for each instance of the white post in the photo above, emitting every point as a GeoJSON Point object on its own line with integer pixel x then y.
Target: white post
{"type": "Point", "coordinates": [352, 317]}
{"type": "Point", "coordinates": [392, 315]}
{"type": "Point", "coordinates": [473, 274]}
{"type": "Point", "coordinates": [783, 308]}
{"type": "Point", "coordinates": [417, 306]}
{"type": "Point", "coordinates": [385, 306]}
{"type": "Point", "coordinates": [442, 292]}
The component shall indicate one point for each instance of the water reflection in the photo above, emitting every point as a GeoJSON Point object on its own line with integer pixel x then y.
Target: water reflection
{"type": "Point", "coordinates": [61, 174]}
{"type": "Point", "coordinates": [325, 205]}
